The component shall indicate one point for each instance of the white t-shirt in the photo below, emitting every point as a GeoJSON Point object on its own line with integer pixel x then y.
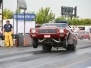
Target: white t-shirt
{"type": "Point", "coordinates": [76, 29]}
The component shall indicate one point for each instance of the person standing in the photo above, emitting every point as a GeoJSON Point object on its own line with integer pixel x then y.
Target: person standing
{"type": "Point", "coordinates": [7, 32]}
{"type": "Point", "coordinates": [76, 29]}
{"type": "Point", "coordinates": [37, 25]}
{"type": "Point", "coordinates": [90, 32]}
{"type": "Point", "coordinates": [73, 29]}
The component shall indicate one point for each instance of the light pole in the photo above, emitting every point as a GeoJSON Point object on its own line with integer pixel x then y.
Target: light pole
{"type": "Point", "coordinates": [1, 8]}
{"type": "Point", "coordinates": [21, 4]}
{"type": "Point", "coordinates": [24, 23]}
{"type": "Point", "coordinates": [17, 18]}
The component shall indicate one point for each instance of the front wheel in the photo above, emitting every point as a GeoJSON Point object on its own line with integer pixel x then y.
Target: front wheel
{"type": "Point", "coordinates": [46, 48]}
{"type": "Point", "coordinates": [35, 45]}
{"type": "Point", "coordinates": [65, 43]}
{"type": "Point", "coordinates": [71, 47]}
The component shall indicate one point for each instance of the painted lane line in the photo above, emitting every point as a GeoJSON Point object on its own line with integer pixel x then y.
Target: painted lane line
{"type": "Point", "coordinates": [75, 62]}
{"type": "Point", "coordinates": [89, 67]}
{"type": "Point", "coordinates": [83, 51]}
{"type": "Point", "coordinates": [15, 57]}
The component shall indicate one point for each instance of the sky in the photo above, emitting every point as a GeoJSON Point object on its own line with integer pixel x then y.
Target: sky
{"type": "Point", "coordinates": [83, 6]}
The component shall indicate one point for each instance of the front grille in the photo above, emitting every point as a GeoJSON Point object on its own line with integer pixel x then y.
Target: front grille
{"type": "Point", "coordinates": [47, 31]}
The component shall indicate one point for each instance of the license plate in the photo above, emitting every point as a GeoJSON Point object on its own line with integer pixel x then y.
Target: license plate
{"type": "Point", "coordinates": [47, 36]}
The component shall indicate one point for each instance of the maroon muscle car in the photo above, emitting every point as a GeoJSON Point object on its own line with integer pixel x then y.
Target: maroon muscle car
{"type": "Point", "coordinates": [54, 35]}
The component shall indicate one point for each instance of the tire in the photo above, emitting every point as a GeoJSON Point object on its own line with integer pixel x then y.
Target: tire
{"type": "Point", "coordinates": [88, 38]}
{"type": "Point", "coordinates": [76, 42]}
{"type": "Point", "coordinates": [46, 48]}
{"type": "Point", "coordinates": [65, 43]}
{"type": "Point", "coordinates": [82, 38]}
{"type": "Point", "coordinates": [34, 44]}
{"type": "Point", "coordinates": [71, 47]}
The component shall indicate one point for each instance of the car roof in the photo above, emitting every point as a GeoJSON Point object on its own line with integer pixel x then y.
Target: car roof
{"type": "Point", "coordinates": [54, 23]}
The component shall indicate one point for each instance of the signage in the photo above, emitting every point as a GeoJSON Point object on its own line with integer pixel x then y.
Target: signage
{"type": "Point", "coordinates": [28, 17]}
{"type": "Point", "coordinates": [22, 4]}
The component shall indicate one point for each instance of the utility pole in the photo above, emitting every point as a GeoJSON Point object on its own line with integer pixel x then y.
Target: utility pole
{"type": "Point", "coordinates": [75, 11]}
{"type": "Point", "coordinates": [71, 16]}
{"type": "Point", "coordinates": [1, 1]}
{"type": "Point", "coordinates": [1, 14]}
{"type": "Point", "coordinates": [24, 22]}
{"type": "Point", "coordinates": [17, 18]}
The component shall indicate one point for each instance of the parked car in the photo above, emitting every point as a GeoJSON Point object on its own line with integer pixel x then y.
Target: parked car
{"type": "Point", "coordinates": [53, 35]}
{"type": "Point", "coordinates": [84, 35]}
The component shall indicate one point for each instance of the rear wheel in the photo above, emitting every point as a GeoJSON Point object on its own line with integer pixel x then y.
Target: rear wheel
{"type": "Point", "coordinates": [46, 48]}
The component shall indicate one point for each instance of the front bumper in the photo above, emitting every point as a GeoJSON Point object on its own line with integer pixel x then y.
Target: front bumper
{"type": "Point", "coordinates": [60, 35]}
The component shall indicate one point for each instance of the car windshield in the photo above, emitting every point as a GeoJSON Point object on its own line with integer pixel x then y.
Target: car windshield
{"type": "Point", "coordinates": [57, 25]}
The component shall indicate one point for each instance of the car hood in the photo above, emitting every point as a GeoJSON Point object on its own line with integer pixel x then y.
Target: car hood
{"type": "Point", "coordinates": [49, 27]}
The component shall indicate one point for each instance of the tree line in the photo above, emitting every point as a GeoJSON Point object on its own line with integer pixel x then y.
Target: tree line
{"type": "Point", "coordinates": [44, 15]}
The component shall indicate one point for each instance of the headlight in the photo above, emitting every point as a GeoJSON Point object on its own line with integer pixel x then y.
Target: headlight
{"type": "Point", "coordinates": [33, 31]}
{"type": "Point", "coordinates": [61, 31]}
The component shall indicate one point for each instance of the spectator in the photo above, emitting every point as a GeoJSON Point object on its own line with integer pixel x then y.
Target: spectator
{"type": "Point", "coordinates": [90, 30]}
{"type": "Point", "coordinates": [1, 34]}
{"type": "Point", "coordinates": [7, 32]}
{"type": "Point", "coordinates": [37, 25]}
{"type": "Point", "coordinates": [73, 28]}
{"type": "Point", "coordinates": [76, 29]}
{"type": "Point", "coordinates": [90, 33]}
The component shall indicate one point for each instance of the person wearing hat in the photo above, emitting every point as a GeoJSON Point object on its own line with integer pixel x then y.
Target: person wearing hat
{"type": "Point", "coordinates": [7, 32]}
{"type": "Point", "coordinates": [37, 25]}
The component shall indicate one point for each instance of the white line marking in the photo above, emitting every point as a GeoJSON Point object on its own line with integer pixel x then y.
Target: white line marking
{"type": "Point", "coordinates": [89, 67]}
{"type": "Point", "coordinates": [15, 57]}
{"type": "Point", "coordinates": [76, 62]}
